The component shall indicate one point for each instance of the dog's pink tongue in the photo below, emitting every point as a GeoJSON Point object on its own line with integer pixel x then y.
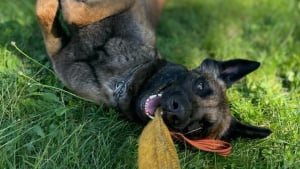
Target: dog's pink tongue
{"type": "Point", "coordinates": [152, 104]}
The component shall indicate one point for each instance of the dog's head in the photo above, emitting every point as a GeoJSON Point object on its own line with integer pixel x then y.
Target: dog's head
{"type": "Point", "coordinates": [194, 102]}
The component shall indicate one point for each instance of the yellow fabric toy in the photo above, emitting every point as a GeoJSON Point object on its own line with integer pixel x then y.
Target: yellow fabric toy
{"type": "Point", "coordinates": [156, 147]}
{"type": "Point", "coordinates": [157, 150]}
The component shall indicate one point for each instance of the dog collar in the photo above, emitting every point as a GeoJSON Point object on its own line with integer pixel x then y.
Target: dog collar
{"type": "Point", "coordinates": [121, 86]}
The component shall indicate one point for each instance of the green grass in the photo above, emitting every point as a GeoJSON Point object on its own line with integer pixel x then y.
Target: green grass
{"type": "Point", "coordinates": [44, 126]}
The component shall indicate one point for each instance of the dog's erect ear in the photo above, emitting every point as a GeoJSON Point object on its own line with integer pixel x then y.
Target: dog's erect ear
{"type": "Point", "coordinates": [240, 130]}
{"type": "Point", "coordinates": [228, 71]}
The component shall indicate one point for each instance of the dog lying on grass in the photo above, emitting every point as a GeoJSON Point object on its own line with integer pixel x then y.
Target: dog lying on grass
{"type": "Point", "coordinates": [110, 57]}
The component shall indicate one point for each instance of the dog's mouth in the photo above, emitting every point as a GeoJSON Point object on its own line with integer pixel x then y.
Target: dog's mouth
{"type": "Point", "coordinates": [190, 128]}
{"type": "Point", "coordinates": [154, 100]}
{"type": "Point", "coordinates": [151, 104]}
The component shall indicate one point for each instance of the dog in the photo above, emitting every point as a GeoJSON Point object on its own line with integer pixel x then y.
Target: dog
{"type": "Point", "coordinates": [109, 57]}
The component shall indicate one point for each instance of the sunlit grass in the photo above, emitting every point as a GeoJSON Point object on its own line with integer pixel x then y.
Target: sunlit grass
{"type": "Point", "coordinates": [42, 125]}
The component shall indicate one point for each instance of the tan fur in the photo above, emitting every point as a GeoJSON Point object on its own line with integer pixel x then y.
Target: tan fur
{"type": "Point", "coordinates": [81, 14]}
{"type": "Point", "coordinates": [220, 117]}
{"type": "Point", "coordinates": [154, 10]}
{"type": "Point", "coordinates": [220, 127]}
{"type": "Point", "coordinates": [46, 11]}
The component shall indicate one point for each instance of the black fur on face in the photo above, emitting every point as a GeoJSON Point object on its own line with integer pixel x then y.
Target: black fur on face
{"type": "Point", "coordinates": [194, 102]}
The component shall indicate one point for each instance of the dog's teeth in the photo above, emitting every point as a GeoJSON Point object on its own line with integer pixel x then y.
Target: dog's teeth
{"type": "Point", "coordinates": [150, 116]}
{"type": "Point", "coordinates": [152, 96]}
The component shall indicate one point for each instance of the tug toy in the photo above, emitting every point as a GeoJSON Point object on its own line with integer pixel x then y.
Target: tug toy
{"type": "Point", "coordinates": [156, 147]}
{"type": "Point", "coordinates": [157, 151]}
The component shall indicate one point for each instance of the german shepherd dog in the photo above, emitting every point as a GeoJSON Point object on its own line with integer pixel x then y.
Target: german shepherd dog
{"type": "Point", "coordinates": [110, 57]}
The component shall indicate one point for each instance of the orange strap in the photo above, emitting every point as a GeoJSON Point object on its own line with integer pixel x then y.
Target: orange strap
{"type": "Point", "coordinates": [218, 146]}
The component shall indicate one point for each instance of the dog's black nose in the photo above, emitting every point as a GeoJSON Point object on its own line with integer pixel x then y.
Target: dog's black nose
{"type": "Point", "coordinates": [174, 105]}
{"type": "Point", "coordinates": [176, 109]}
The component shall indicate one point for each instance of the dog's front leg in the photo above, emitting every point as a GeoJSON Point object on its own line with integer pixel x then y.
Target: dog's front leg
{"type": "Point", "coordinates": [46, 12]}
{"type": "Point", "coordinates": [84, 12]}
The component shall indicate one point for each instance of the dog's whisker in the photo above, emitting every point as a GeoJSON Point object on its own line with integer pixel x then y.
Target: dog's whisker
{"type": "Point", "coordinates": [192, 131]}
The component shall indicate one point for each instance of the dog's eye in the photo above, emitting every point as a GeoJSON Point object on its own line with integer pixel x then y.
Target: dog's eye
{"type": "Point", "coordinates": [201, 87]}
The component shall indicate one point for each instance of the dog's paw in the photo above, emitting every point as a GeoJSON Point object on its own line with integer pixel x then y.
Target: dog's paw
{"type": "Point", "coordinates": [46, 11]}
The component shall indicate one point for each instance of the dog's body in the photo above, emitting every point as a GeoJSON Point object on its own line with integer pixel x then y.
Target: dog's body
{"type": "Point", "coordinates": [111, 58]}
